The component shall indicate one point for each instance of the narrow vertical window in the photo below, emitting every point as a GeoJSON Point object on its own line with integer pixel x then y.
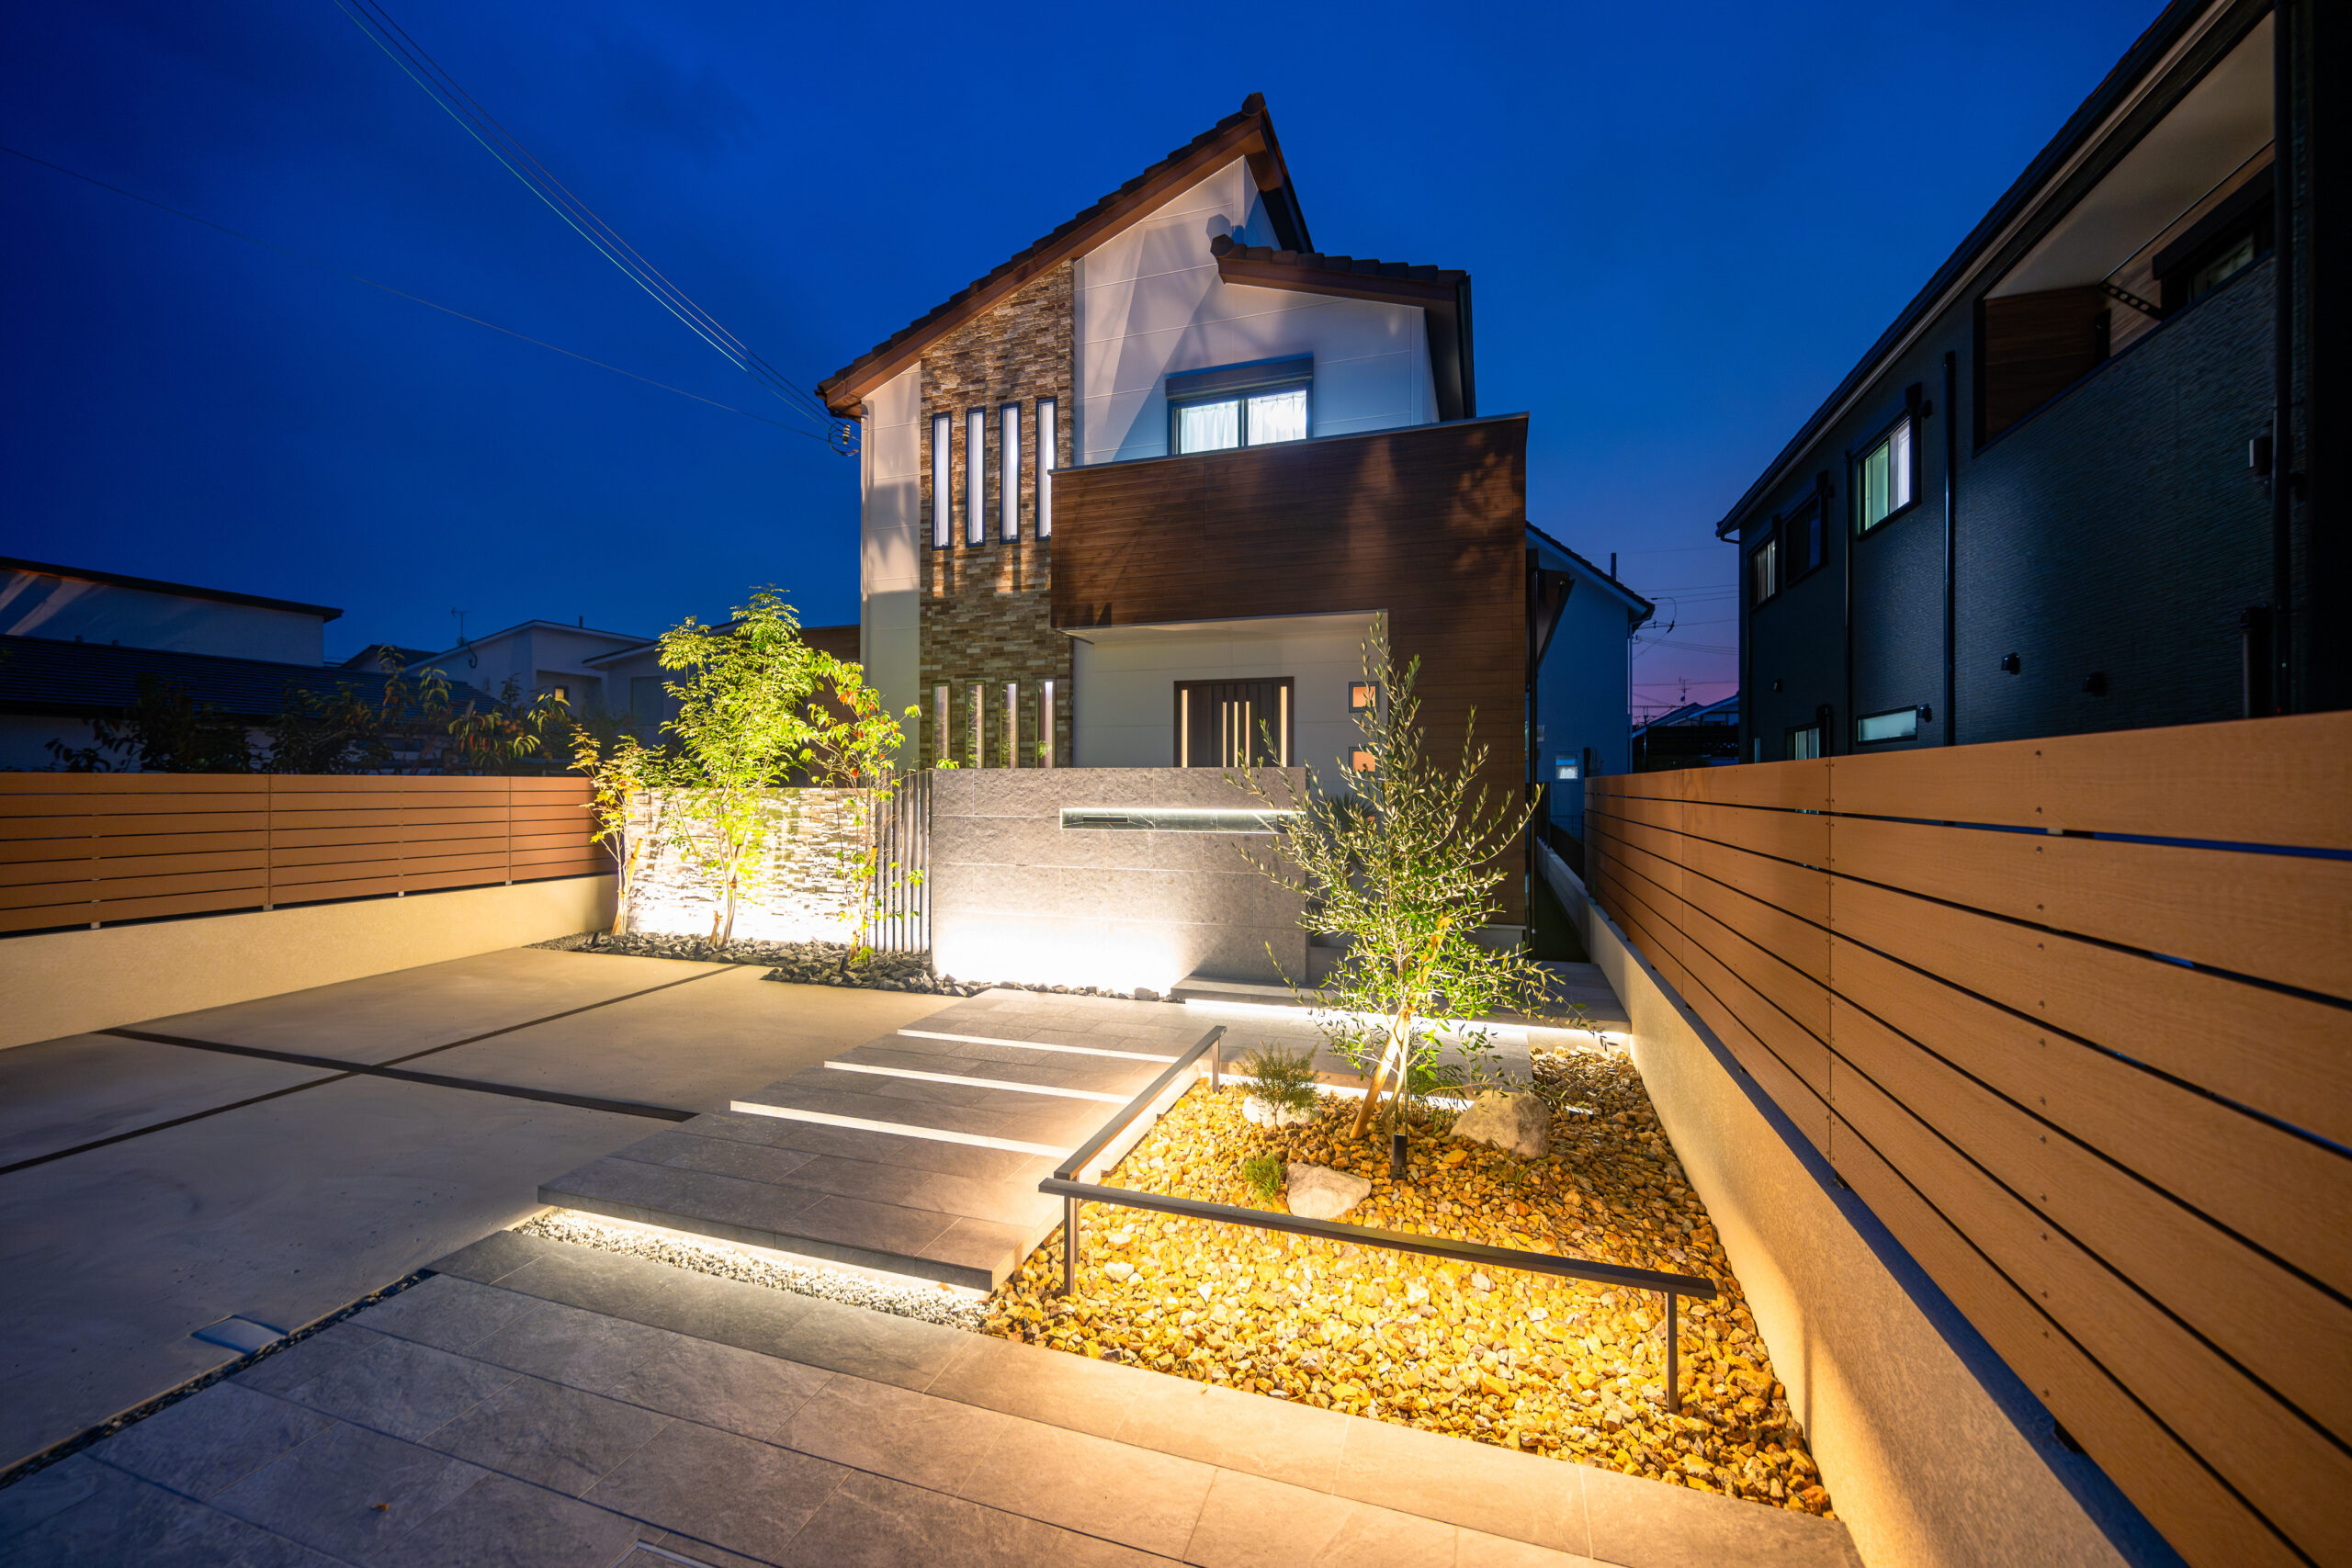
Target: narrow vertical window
{"type": "Point", "coordinates": [976, 752]}
{"type": "Point", "coordinates": [943, 483]}
{"type": "Point", "coordinates": [942, 732]}
{"type": "Point", "coordinates": [1883, 477]}
{"type": "Point", "coordinates": [1012, 724]}
{"type": "Point", "coordinates": [1044, 703]}
{"type": "Point", "coordinates": [1008, 481]}
{"type": "Point", "coordinates": [1049, 446]}
{"type": "Point", "coordinates": [976, 477]}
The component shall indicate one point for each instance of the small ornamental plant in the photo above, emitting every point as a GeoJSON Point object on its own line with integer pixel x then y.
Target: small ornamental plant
{"type": "Point", "coordinates": [1264, 1172]}
{"type": "Point", "coordinates": [1281, 1081]}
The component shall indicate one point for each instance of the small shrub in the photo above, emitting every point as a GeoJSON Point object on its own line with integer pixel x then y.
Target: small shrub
{"type": "Point", "coordinates": [1283, 1079]}
{"type": "Point", "coordinates": [1265, 1174]}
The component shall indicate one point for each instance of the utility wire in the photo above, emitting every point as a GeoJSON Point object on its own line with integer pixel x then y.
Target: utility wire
{"type": "Point", "coordinates": [374, 21]}
{"type": "Point", "coordinates": [403, 294]}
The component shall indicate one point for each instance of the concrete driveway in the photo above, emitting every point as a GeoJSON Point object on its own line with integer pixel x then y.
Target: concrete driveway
{"type": "Point", "coordinates": [253, 1161]}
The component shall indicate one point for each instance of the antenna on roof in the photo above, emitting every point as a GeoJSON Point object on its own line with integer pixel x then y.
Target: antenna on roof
{"type": "Point", "coordinates": [461, 626]}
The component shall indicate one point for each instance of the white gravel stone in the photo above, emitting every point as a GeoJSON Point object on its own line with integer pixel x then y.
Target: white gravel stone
{"type": "Point", "coordinates": [1318, 1192]}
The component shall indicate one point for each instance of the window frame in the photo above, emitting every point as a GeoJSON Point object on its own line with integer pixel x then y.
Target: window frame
{"type": "Point", "coordinates": [1049, 430]}
{"type": "Point", "coordinates": [1008, 462]}
{"type": "Point", "coordinates": [943, 480]}
{"type": "Point", "coordinates": [1768, 547]}
{"type": "Point", "coordinates": [975, 476]}
{"type": "Point", "coordinates": [1808, 520]}
{"type": "Point", "coordinates": [1912, 711]}
{"type": "Point", "coordinates": [1913, 475]}
{"type": "Point", "coordinates": [1788, 741]}
{"type": "Point", "coordinates": [1236, 384]}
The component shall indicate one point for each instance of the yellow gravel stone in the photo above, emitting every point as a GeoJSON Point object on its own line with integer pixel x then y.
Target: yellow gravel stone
{"type": "Point", "coordinates": [1555, 1367]}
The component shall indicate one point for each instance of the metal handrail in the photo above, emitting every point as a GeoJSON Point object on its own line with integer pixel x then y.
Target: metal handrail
{"type": "Point", "coordinates": [1063, 1183]}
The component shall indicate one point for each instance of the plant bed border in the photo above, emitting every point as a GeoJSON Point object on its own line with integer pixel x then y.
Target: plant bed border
{"type": "Point", "coordinates": [1065, 1184]}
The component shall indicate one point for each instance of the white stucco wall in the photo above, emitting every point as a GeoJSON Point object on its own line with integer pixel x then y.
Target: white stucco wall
{"type": "Point", "coordinates": [1124, 680]}
{"type": "Point", "coordinates": [889, 578]}
{"type": "Point", "coordinates": [1149, 301]}
{"type": "Point", "coordinates": [67, 609]}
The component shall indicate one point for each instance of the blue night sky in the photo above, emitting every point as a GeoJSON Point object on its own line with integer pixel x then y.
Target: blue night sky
{"type": "Point", "coordinates": [1682, 233]}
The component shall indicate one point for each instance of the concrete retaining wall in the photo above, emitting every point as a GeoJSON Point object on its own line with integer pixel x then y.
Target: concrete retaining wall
{"type": "Point", "coordinates": [1014, 895]}
{"type": "Point", "coordinates": [1933, 1452]}
{"type": "Point", "coordinates": [59, 983]}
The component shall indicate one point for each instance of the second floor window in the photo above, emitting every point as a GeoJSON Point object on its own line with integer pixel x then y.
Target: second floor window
{"type": "Point", "coordinates": [975, 479]}
{"type": "Point", "coordinates": [1764, 570]}
{"type": "Point", "coordinates": [1048, 444]}
{"type": "Point", "coordinates": [1884, 482]}
{"type": "Point", "coordinates": [943, 482]}
{"type": "Point", "coordinates": [1241, 405]}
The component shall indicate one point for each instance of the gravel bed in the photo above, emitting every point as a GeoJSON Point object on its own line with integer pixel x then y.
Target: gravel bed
{"type": "Point", "coordinates": [1549, 1366]}
{"type": "Point", "coordinates": [927, 1304]}
{"type": "Point", "coordinates": [818, 963]}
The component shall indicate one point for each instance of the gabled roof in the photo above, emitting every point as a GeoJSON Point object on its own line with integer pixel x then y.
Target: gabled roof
{"type": "Point", "coordinates": [1636, 607]}
{"type": "Point", "coordinates": [1248, 132]}
{"type": "Point", "coordinates": [1443, 293]}
{"type": "Point", "coordinates": [153, 585]}
{"type": "Point", "coordinates": [474, 642]}
{"type": "Point", "coordinates": [41, 675]}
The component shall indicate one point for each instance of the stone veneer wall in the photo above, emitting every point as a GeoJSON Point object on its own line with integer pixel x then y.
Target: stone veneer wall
{"type": "Point", "coordinates": [987, 608]}
{"type": "Point", "coordinates": [809, 892]}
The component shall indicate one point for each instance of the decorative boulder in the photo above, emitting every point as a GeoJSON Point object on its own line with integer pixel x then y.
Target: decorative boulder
{"type": "Point", "coordinates": [1318, 1192]}
{"type": "Point", "coordinates": [1518, 1124]}
{"type": "Point", "coordinates": [1259, 1113]}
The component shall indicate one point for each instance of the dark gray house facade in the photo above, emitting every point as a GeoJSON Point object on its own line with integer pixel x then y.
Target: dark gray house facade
{"type": "Point", "coordinates": [2087, 480]}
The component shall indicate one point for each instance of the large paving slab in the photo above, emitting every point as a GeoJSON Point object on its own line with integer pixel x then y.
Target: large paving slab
{"type": "Point", "coordinates": [61, 1094]}
{"type": "Point", "coordinates": [538, 1403]}
{"type": "Point", "coordinates": [697, 1046]}
{"type": "Point", "coordinates": [281, 1211]}
{"type": "Point", "coordinates": [382, 1017]}
{"type": "Point", "coordinates": [918, 1151]}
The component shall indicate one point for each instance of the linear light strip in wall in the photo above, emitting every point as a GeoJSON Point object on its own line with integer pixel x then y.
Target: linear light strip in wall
{"type": "Point", "coordinates": [976, 477]}
{"type": "Point", "coordinates": [1038, 1045]}
{"type": "Point", "coordinates": [896, 1129]}
{"type": "Point", "coordinates": [943, 482]}
{"type": "Point", "coordinates": [1008, 457]}
{"type": "Point", "coordinates": [1048, 450]}
{"type": "Point", "coordinates": [1008, 1085]}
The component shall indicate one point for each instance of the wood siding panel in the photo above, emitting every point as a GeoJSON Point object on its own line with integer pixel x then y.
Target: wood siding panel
{"type": "Point", "coordinates": [2067, 1071]}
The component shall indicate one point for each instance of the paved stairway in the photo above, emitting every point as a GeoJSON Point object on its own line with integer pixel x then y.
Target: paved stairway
{"type": "Point", "coordinates": [919, 1151]}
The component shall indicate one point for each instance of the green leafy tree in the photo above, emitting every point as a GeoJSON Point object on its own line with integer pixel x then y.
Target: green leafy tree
{"type": "Point", "coordinates": [621, 770]}
{"type": "Point", "coordinates": [164, 730]}
{"type": "Point", "coordinates": [742, 727]}
{"type": "Point", "coordinates": [1407, 867]}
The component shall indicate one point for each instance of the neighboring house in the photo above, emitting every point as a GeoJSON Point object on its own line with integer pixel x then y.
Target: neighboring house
{"type": "Point", "coordinates": [67, 603]}
{"type": "Point", "coordinates": [630, 682]}
{"type": "Point", "coordinates": [1696, 735]}
{"type": "Point", "coordinates": [385, 656]}
{"type": "Point", "coordinates": [1584, 681]}
{"type": "Point", "coordinates": [540, 658]}
{"type": "Point", "coordinates": [52, 690]}
{"type": "Point", "coordinates": [1134, 497]}
{"type": "Point", "coordinates": [2068, 489]}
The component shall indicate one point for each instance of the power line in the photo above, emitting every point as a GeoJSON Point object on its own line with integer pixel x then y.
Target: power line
{"type": "Point", "coordinates": [412, 299]}
{"type": "Point", "coordinates": [376, 23]}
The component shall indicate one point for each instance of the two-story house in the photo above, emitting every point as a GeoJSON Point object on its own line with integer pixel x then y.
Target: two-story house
{"type": "Point", "coordinates": [2078, 483]}
{"type": "Point", "coordinates": [1134, 497]}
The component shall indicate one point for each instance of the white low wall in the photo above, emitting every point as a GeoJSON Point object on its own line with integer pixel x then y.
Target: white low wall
{"type": "Point", "coordinates": [1915, 1422]}
{"type": "Point", "coordinates": [59, 983]}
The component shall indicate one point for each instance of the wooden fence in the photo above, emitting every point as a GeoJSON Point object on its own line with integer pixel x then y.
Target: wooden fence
{"type": "Point", "coordinates": [2074, 1017]}
{"type": "Point", "coordinates": [82, 848]}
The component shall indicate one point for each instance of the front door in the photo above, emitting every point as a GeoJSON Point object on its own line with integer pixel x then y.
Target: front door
{"type": "Point", "coordinates": [1233, 724]}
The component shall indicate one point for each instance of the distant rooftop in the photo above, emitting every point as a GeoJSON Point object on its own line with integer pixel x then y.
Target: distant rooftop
{"type": "Point", "coordinates": [156, 585]}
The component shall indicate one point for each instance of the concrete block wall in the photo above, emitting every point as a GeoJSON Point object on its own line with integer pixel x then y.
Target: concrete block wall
{"type": "Point", "coordinates": [1016, 896]}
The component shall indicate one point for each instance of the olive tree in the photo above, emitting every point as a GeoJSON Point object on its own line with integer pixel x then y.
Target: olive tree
{"type": "Point", "coordinates": [1407, 866]}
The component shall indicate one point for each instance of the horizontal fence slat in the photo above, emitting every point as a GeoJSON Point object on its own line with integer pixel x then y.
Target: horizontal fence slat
{"type": "Point", "coordinates": [2189, 781]}
{"type": "Point", "coordinates": [102, 873]}
{"type": "Point", "coordinates": [26, 828]}
{"type": "Point", "coordinates": [186, 802]}
{"type": "Point", "coordinates": [117, 846]}
{"type": "Point", "coordinates": [2202, 1519]}
{"type": "Point", "coordinates": [2259, 1314]}
{"type": "Point", "coordinates": [2286, 919]}
{"type": "Point", "coordinates": [2280, 1191]}
{"type": "Point", "coordinates": [128, 786]}
{"type": "Point", "coordinates": [2278, 1053]}
{"type": "Point", "coordinates": [1799, 836]}
{"type": "Point", "coordinates": [221, 901]}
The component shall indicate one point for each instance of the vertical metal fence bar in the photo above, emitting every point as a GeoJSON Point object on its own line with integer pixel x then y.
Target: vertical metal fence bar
{"type": "Point", "coordinates": [1673, 1356]}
